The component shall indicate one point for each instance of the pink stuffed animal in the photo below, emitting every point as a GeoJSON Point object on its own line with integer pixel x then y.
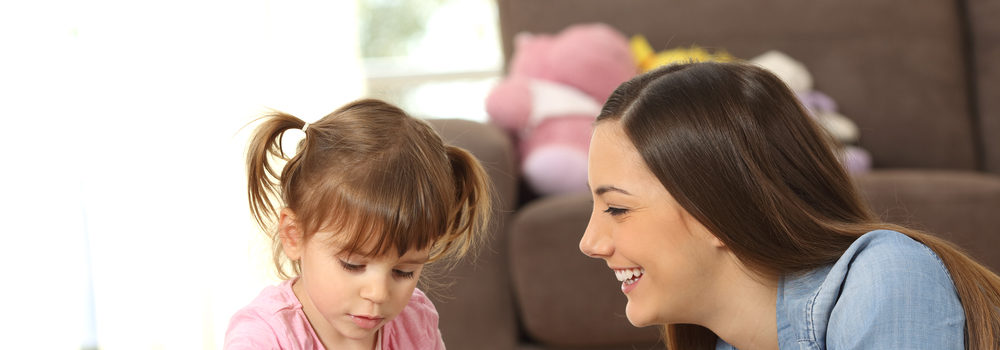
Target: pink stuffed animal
{"type": "Point", "coordinates": [554, 89]}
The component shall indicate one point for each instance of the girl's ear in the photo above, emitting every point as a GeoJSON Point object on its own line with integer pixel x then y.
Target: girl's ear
{"type": "Point", "coordinates": [291, 236]}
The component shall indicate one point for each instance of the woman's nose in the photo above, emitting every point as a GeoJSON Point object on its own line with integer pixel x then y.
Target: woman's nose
{"type": "Point", "coordinates": [595, 243]}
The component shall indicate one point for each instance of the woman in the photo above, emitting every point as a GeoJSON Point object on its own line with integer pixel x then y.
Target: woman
{"type": "Point", "coordinates": [720, 205]}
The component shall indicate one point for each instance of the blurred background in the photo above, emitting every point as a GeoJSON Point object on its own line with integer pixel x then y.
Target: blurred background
{"type": "Point", "coordinates": [123, 201]}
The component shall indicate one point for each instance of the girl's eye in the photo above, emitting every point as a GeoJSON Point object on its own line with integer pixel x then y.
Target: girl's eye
{"type": "Point", "coordinates": [403, 274]}
{"type": "Point", "coordinates": [351, 267]}
{"type": "Point", "coordinates": [615, 211]}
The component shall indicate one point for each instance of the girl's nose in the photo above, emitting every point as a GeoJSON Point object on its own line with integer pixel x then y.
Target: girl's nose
{"type": "Point", "coordinates": [595, 243]}
{"type": "Point", "coordinates": [376, 290]}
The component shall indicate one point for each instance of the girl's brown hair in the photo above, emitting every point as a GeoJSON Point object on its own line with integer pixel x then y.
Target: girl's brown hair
{"type": "Point", "coordinates": [371, 172]}
{"type": "Point", "coordinates": [777, 196]}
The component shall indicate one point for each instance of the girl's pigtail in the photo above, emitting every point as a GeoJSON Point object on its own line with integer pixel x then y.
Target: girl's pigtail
{"type": "Point", "coordinates": [264, 178]}
{"type": "Point", "coordinates": [473, 208]}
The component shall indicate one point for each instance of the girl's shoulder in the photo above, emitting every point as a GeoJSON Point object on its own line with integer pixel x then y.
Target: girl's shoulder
{"type": "Point", "coordinates": [421, 305]}
{"type": "Point", "coordinates": [274, 300]}
{"type": "Point", "coordinates": [275, 311]}
{"type": "Point", "coordinates": [416, 327]}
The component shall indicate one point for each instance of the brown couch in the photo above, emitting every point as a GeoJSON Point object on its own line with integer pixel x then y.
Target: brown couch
{"type": "Point", "coordinates": [918, 77]}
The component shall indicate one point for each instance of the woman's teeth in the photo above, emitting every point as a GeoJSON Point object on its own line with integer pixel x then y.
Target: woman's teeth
{"type": "Point", "coordinates": [629, 276]}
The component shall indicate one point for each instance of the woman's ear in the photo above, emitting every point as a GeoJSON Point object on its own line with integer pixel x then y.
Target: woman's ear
{"type": "Point", "coordinates": [718, 243]}
{"type": "Point", "coordinates": [703, 232]}
{"type": "Point", "coordinates": [290, 233]}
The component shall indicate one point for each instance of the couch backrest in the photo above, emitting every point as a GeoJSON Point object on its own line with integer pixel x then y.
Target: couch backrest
{"type": "Point", "coordinates": [985, 33]}
{"type": "Point", "coordinates": [900, 73]}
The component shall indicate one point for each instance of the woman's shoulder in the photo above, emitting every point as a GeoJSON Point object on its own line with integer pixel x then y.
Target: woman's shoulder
{"type": "Point", "coordinates": [889, 243]}
{"type": "Point", "coordinates": [876, 259]}
{"type": "Point", "coordinates": [416, 327]}
{"type": "Point", "coordinates": [888, 290]}
{"type": "Point", "coordinates": [886, 255]}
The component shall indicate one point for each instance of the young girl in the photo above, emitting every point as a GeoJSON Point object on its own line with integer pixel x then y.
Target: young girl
{"type": "Point", "coordinates": [722, 209]}
{"type": "Point", "coordinates": [370, 196]}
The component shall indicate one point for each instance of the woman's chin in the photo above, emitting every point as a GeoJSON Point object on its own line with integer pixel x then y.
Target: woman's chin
{"type": "Point", "coordinates": [636, 318]}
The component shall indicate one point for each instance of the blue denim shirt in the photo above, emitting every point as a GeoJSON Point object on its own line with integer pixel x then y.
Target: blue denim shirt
{"type": "Point", "coordinates": [886, 292]}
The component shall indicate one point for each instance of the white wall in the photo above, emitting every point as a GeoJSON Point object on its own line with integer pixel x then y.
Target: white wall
{"type": "Point", "coordinates": [123, 159]}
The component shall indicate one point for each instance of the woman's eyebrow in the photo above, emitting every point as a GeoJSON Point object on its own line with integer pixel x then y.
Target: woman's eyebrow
{"type": "Point", "coordinates": [608, 188]}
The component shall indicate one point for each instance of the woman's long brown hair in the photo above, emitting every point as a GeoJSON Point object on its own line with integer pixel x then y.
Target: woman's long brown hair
{"type": "Point", "coordinates": [371, 172]}
{"type": "Point", "coordinates": [766, 181]}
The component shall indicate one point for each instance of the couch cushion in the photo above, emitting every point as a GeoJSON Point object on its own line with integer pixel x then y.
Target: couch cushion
{"type": "Point", "coordinates": [985, 32]}
{"type": "Point", "coordinates": [564, 297]}
{"type": "Point", "coordinates": [898, 73]}
{"type": "Point", "coordinates": [963, 207]}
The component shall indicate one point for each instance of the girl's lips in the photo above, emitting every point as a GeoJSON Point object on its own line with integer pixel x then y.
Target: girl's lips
{"type": "Point", "coordinates": [366, 322]}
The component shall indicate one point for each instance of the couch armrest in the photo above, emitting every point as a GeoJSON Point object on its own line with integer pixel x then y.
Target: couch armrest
{"type": "Point", "coordinates": [475, 304]}
{"type": "Point", "coordinates": [565, 298]}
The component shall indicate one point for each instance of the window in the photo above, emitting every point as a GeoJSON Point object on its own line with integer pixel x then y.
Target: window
{"type": "Point", "coordinates": [434, 59]}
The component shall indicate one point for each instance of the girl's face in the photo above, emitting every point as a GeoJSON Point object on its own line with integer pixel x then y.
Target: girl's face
{"type": "Point", "coordinates": [348, 298]}
{"type": "Point", "coordinates": [665, 259]}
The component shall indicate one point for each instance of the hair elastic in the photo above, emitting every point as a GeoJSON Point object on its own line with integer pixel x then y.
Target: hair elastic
{"type": "Point", "coordinates": [305, 127]}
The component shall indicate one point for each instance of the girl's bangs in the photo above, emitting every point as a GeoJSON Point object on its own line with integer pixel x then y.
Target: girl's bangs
{"type": "Point", "coordinates": [376, 220]}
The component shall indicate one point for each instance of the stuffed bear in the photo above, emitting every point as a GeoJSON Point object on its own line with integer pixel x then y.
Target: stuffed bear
{"type": "Point", "coordinates": [821, 107]}
{"type": "Point", "coordinates": [554, 89]}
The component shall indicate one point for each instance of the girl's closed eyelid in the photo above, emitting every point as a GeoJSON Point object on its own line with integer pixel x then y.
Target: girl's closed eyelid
{"type": "Point", "coordinates": [351, 267]}
{"type": "Point", "coordinates": [403, 274]}
{"type": "Point", "coordinates": [358, 268]}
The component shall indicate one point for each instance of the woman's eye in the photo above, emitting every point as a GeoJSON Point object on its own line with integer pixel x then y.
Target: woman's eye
{"type": "Point", "coordinates": [615, 211]}
{"type": "Point", "coordinates": [351, 267]}
{"type": "Point", "coordinates": [403, 274]}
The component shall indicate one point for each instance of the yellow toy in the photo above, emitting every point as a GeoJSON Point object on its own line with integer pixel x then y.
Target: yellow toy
{"type": "Point", "coordinates": [647, 60]}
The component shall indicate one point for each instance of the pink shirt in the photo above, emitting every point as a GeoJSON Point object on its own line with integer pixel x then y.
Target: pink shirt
{"type": "Point", "coordinates": [275, 320]}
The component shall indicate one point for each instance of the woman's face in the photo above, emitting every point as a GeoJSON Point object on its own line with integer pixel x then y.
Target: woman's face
{"type": "Point", "coordinates": [665, 259]}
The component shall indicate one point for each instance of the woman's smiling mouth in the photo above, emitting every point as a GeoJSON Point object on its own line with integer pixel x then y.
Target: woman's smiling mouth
{"type": "Point", "coordinates": [629, 277]}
